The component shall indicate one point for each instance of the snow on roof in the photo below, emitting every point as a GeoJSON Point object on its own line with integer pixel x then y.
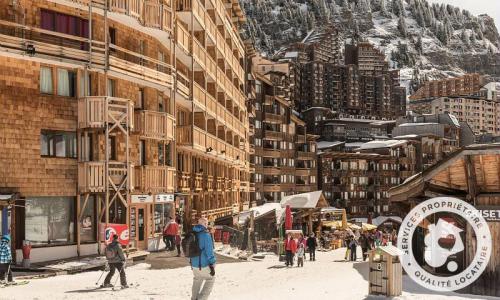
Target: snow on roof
{"type": "Point", "coordinates": [408, 136]}
{"type": "Point", "coordinates": [355, 145]}
{"type": "Point", "coordinates": [304, 200]}
{"type": "Point", "coordinates": [416, 124]}
{"type": "Point", "coordinates": [291, 54]}
{"type": "Point", "coordinates": [261, 211]}
{"type": "Point", "coordinates": [382, 144]}
{"type": "Point", "coordinates": [454, 120]}
{"type": "Point", "coordinates": [391, 250]}
{"type": "Point", "coordinates": [383, 122]}
{"type": "Point", "coordinates": [326, 144]}
{"type": "Point", "coordinates": [316, 107]}
{"type": "Point", "coordinates": [379, 220]}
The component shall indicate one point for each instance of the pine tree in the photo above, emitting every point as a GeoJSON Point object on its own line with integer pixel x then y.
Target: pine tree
{"type": "Point", "coordinates": [419, 45]}
{"type": "Point", "coordinates": [383, 9]}
{"type": "Point", "coordinates": [402, 26]}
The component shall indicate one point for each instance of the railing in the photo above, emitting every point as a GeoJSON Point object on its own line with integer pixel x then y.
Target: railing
{"type": "Point", "coordinates": [184, 135]}
{"type": "Point", "coordinates": [305, 155]}
{"type": "Point", "coordinates": [183, 183]}
{"type": "Point", "coordinates": [157, 15]}
{"type": "Point", "coordinates": [94, 112]}
{"type": "Point", "coordinates": [211, 67]}
{"type": "Point", "coordinates": [211, 105]}
{"type": "Point", "coordinates": [209, 183]}
{"type": "Point", "coordinates": [199, 96]}
{"type": "Point", "coordinates": [210, 27]}
{"type": "Point", "coordinates": [269, 187]}
{"type": "Point", "coordinates": [183, 37]}
{"type": "Point", "coordinates": [183, 84]}
{"type": "Point", "coordinates": [199, 139]}
{"type": "Point", "coordinates": [219, 182]}
{"type": "Point", "coordinates": [301, 138]}
{"type": "Point", "coordinates": [155, 125]}
{"type": "Point", "coordinates": [199, 53]}
{"type": "Point", "coordinates": [218, 212]}
{"type": "Point", "coordinates": [198, 181]}
{"type": "Point", "coordinates": [91, 178]}
{"type": "Point", "coordinates": [155, 179]}
{"type": "Point", "coordinates": [274, 135]}
{"type": "Point", "coordinates": [302, 172]}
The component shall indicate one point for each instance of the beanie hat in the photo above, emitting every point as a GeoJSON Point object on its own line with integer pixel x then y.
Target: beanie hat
{"type": "Point", "coordinates": [6, 237]}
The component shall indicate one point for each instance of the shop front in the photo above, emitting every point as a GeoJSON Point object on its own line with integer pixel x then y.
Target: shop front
{"type": "Point", "coordinates": [148, 216]}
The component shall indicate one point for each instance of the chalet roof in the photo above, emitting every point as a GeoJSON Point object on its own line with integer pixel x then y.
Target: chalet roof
{"type": "Point", "coordinates": [326, 144]}
{"type": "Point", "coordinates": [382, 144]}
{"type": "Point", "coordinates": [261, 211]}
{"type": "Point", "coordinates": [305, 200]}
{"type": "Point", "coordinates": [471, 170]}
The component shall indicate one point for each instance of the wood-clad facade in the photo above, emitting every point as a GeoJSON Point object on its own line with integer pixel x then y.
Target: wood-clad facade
{"type": "Point", "coordinates": [109, 108]}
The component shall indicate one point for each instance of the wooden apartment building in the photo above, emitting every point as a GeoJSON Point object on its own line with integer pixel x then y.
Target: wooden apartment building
{"type": "Point", "coordinates": [119, 112]}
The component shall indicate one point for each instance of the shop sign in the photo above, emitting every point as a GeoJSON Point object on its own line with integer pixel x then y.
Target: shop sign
{"type": "Point", "coordinates": [164, 198]}
{"type": "Point", "coordinates": [142, 198]}
{"type": "Point", "coordinates": [119, 229]}
{"type": "Point", "coordinates": [490, 213]}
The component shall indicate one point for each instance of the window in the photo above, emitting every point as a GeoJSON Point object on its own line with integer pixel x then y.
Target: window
{"type": "Point", "coordinates": [50, 220]}
{"type": "Point", "coordinates": [85, 82]}
{"type": "Point", "coordinates": [88, 225]}
{"type": "Point", "coordinates": [46, 84]}
{"type": "Point", "coordinates": [162, 212]}
{"type": "Point", "coordinates": [161, 104]}
{"type": "Point", "coordinates": [140, 99]}
{"type": "Point", "coordinates": [111, 88]}
{"type": "Point", "coordinates": [112, 148]}
{"type": "Point", "coordinates": [112, 36]}
{"type": "Point", "coordinates": [66, 83]}
{"type": "Point", "coordinates": [142, 153]}
{"type": "Point", "coordinates": [63, 23]}
{"type": "Point", "coordinates": [58, 144]}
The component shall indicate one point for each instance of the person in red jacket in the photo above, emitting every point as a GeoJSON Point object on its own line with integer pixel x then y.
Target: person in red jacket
{"type": "Point", "coordinates": [290, 249]}
{"type": "Point", "coordinates": [169, 232]}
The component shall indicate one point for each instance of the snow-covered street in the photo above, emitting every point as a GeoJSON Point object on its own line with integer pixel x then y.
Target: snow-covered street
{"type": "Point", "coordinates": [327, 278]}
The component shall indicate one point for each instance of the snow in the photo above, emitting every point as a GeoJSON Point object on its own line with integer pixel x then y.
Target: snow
{"type": "Point", "coordinates": [382, 144]}
{"type": "Point", "coordinates": [262, 210]}
{"type": "Point", "coordinates": [329, 277]}
{"type": "Point", "coordinates": [325, 144]}
{"type": "Point", "coordinates": [416, 124]}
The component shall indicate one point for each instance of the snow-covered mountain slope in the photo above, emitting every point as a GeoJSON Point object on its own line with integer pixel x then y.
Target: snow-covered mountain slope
{"type": "Point", "coordinates": [426, 41]}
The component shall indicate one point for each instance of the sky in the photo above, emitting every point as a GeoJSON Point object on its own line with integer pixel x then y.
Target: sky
{"type": "Point", "coordinates": [477, 7]}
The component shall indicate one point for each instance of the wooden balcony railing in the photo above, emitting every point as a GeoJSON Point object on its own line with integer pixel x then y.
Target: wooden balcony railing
{"type": "Point", "coordinates": [268, 187]}
{"type": "Point", "coordinates": [273, 135]}
{"type": "Point", "coordinates": [155, 179]}
{"type": "Point", "coordinates": [210, 27]}
{"type": "Point", "coordinates": [199, 95]}
{"type": "Point", "coordinates": [219, 182]}
{"type": "Point", "coordinates": [182, 35]}
{"type": "Point", "coordinates": [217, 212]}
{"type": "Point", "coordinates": [273, 118]}
{"type": "Point", "coordinates": [150, 13]}
{"type": "Point", "coordinates": [183, 84]}
{"type": "Point", "coordinates": [209, 183]}
{"type": "Point", "coordinates": [155, 125]}
{"type": "Point", "coordinates": [198, 181]}
{"type": "Point", "coordinates": [184, 135]}
{"type": "Point", "coordinates": [211, 105]}
{"type": "Point", "coordinates": [305, 155]}
{"type": "Point", "coordinates": [211, 66]}
{"type": "Point", "coordinates": [303, 172]}
{"type": "Point", "coordinates": [199, 53]}
{"type": "Point", "coordinates": [301, 138]}
{"type": "Point", "coordinates": [91, 178]}
{"type": "Point", "coordinates": [94, 112]}
{"type": "Point", "coordinates": [183, 182]}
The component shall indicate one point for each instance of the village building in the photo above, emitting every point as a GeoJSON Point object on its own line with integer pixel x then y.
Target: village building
{"type": "Point", "coordinates": [114, 113]}
{"type": "Point", "coordinates": [465, 85]}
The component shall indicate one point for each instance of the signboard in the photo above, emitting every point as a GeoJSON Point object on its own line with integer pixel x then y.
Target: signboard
{"type": "Point", "coordinates": [142, 198]}
{"type": "Point", "coordinates": [490, 213]}
{"type": "Point", "coordinates": [164, 198]}
{"type": "Point", "coordinates": [119, 229]}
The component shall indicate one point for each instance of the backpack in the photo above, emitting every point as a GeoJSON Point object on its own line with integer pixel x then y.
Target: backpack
{"type": "Point", "coordinates": [190, 245]}
{"type": "Point", "coordinates": [110, 253]}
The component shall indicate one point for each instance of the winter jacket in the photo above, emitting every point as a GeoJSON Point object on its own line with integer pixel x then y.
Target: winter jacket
{"type": "Point", "coordinates": [365, 242]}
{"type": "Point", "coordinates": [291, 245]}
{"type": "Point", "coordinates": [312, 243]}
{"type": "Point", "coordinates": [300, 251]}
{"type": "Point", "coordinates": [119, 256]}
{"type": "Point", "coordinates": [171, 229]}
{"type": "Point", "coordinates": [5, 254]}
{"type": "Point", "coordinates": [207, 256]}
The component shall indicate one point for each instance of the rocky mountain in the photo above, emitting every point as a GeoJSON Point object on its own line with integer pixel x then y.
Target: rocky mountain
{"type": "Point", "coordinates": [425, 41]}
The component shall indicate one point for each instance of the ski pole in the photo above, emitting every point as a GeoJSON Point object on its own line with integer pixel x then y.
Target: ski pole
{"type": "Point", "coordinates": [102, 273]}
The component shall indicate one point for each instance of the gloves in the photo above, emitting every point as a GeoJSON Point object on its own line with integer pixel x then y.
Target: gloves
{"type": "Point", "coordinates": [212, 270]}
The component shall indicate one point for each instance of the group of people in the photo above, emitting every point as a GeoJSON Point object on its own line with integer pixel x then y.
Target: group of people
{"type": "Point", "coordinates": [367, 240]}
{"type": "Point", "coordinates": [297, 247]}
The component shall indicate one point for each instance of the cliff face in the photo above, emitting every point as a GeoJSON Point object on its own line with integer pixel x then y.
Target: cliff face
{"type": "Point", "coordinates": [425, 41]}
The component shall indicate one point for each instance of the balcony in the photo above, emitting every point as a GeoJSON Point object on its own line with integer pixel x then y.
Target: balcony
{"type": "Point", "coordinates": [92, 175]}
{"type": "Point", "coordinates": [272, 170]}
{"type": "Point", "coordinates": [273, 118]}
{"type": "Point", "coordinates": [192, 6]}
{"type": "Point", "coordinates": [155, 125]}
{"type": "Point", "coordinates": [218, 212]}
{"type": "Point", "coordinates": [302, 172]}
{"type": "Point", "coordinates": [183, 37]}
{"type": "Point", "coordinates": [183, 183]}
{"type": "Point", "coordinates": [304, 188]}
{"type": "Point", "coordinates": [271, 187]}
{"type": "Point", "coordinates": [199, 53]}
{"type": "Point", "coordinates": [219, 184]}
{"type": "Point", "coordinates": [183, 84]}
{"type": "Point", "coordinates": [273, 135]}
{"type": "Point", "coordinates": [199, 95]}
{"type": "Point", "coordinates": [306, 155]}
{"type": "Point", "coordinates": [198, 182]}
{"type": "Point", "coordinates": [96, 112]}
{"type": "Point", "coordinates": [209, 183]}
{"type": "Point", "coordinates": [301, 138]}
{"type": "Point", "coordinates": [155, 179]}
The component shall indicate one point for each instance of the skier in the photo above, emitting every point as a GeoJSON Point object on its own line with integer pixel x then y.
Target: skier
{"type": "Point", "coordinates": [290, 249]}
{"type": "Point", "coordinates": [5, 259]}
{"type": "Point", "coordinates": [116, 261]}
{"type": "Point", "coordinates": [203, 265]}
{"type": "Point", "coordinates": [311, 245]}
{"type": "Point", "coordinates": [169, 232]}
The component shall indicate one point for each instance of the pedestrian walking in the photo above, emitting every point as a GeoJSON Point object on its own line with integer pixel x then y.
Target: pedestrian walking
{"type": "Point", "coordinates": [170, 230]}
{"type": "Point", "coordinates": [203, 264]}
{"type": "Point", "coordinates": [178, 244]}
{"type": "Point", "coordinates": [5, 259]}
{"type": "Point", "coordinates": [364, 241]}
{"type": "Point", "coordinates": [301, 253]}
{"type": "Point", "coordinates": [116, 261]}
{"type": "Point", "coordinates": [290, 249]}
{"type": "Point", "coordinates": [347, 242]}
{"type": "Point", "coordinates": [353, 247]}
{"type": "Point", "coordinates": [312, 244]}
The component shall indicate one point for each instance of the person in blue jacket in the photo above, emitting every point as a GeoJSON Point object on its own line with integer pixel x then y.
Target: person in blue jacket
{"type": "Point", "coordinates": [204, 265]}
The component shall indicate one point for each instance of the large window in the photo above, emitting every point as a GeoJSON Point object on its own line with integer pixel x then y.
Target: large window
{"type": "Point", "coordinates": [58, 144]}
{"type": "Point", "coordinates": [66, 83]}
{"type": "Point", "coordinates": [88, 225]}
{"type": "Point", "coordinates": [50, 220]}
